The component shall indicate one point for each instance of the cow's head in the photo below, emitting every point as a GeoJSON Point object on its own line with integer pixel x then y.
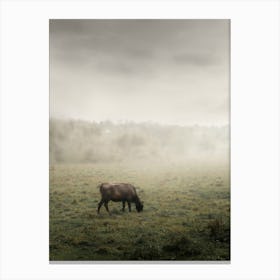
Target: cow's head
{"type": "Point", "coordinates": [139, 206]}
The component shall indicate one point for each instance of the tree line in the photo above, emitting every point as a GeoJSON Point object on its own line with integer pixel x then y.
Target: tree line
{"type": "Point", "coordinates": [77, 141]}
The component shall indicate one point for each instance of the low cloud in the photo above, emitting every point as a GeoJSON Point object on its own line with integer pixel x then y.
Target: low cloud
{"type": "Point", "coordinates": [196, 59]}
{"type": "Point", "coordinates": [172, 71]}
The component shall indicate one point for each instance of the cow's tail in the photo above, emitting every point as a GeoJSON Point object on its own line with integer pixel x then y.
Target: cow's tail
{"type": "Point", "coordinates": [99, 186]}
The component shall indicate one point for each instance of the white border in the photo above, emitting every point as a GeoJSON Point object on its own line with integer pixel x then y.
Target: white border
{"type": "Point", "coordinates": [254, 131]}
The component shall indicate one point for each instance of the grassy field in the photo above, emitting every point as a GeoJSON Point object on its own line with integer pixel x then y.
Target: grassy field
{"type": "Point", "coordinates": [186, 214]}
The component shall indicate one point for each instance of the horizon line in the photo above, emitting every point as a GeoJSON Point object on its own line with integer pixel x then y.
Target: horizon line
{"type": "Point", "coordinates": [121, 122]}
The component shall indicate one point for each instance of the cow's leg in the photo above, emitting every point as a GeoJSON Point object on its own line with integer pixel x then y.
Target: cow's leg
{"type": "Point", "coordinates": [123, 205]}
{"type": "Point", "coordinates": [106, 206]}
{"type": "Point", "coordinates": [99, 205]}
{"type": "Point", "coordinates": [129, 206]}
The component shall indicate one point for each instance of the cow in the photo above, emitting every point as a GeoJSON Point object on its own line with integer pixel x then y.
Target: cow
{"type": "Point", "coordinates": [119, 192]}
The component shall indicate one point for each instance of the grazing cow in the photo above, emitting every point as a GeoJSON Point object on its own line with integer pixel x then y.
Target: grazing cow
{"type": "Point", "coordinates": [119, 192]}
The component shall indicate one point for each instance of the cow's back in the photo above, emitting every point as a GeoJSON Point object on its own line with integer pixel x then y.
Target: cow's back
{"type": "Point", "coordinates": [117, 191]}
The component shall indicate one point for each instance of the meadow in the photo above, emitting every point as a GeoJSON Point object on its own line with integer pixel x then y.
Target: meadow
{"type": "Point", "coordinates": [186, 213]}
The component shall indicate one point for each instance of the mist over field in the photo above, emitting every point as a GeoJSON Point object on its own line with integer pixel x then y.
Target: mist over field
{"type": "Point", "coordinates": [144, 103]}
{"type": "Point", "coordinates": [76, 141]}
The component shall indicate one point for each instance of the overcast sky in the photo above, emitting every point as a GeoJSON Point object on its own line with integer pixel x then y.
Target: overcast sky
{"type": "Point", "coordinates": [164, 71]}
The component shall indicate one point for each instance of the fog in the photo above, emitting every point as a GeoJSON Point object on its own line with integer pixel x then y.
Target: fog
{"type": "Point", "coordinates": [141, 143]}
{"type": "Point", "coordinates": [164, 71]}
{"type": "Point", "coordinates": [139, 91]}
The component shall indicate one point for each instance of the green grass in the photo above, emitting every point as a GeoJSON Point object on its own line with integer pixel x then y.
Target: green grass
{"type": "Point", "coordinates": [186, 214]}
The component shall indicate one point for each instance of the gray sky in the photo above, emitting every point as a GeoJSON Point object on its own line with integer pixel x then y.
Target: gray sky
{"type": "Point", "coordinates": [164, 71]}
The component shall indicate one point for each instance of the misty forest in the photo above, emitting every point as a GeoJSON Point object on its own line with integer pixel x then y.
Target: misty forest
{"type": "Point", "coordinates": [181, 173]}
{"type": "Point", "coordinates": [105, 142]}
